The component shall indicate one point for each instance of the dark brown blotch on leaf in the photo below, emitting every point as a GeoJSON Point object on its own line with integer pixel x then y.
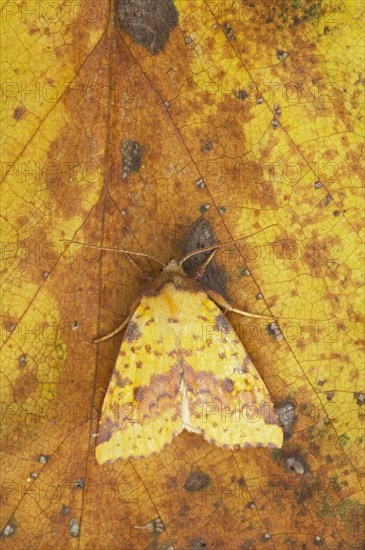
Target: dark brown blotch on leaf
{"type": "Point", "coordinates": [19, 112]}
{"type": "Point", "coordinates": [196, 482]}
{"type": "Point", "coordinates": [132, 152]}
{"type": "Point", "coordinates": [198, 544]}
{"type": "Point", "coordinates": [249, 544]}
{"type": "Point", "coordinates": [148, 22]}
{"type": "Point", "coordinates": [207, 146]}
{"type": "Point", "coordinates": [290, 14]}
{"type": "Point", "coordinates": [360, 398]}
{"type": "Point", "coordinates": [79, 483]}
{"type": "Point", "coordinates": [318, 541]}
{"type": "Point", "coordinates": [201, 235]}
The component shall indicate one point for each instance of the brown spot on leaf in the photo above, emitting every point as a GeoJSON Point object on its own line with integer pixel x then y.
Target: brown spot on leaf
{"type": "Point", "coordinates": [8, 530]}
{"type": "Point", "coordinates": [25, 385]}
{"type": "Point", "coordinates": [201, 235]}
{"type": "Point", "coordinates": [360, 398]}
{"type": "Point", "coordinates": [198, 544]}
{"type": "Point", "coordinates": [79, 483]}
{"type": "Point", "coordinates": [197, 481]}
{"type": "Point", "coordinates": [296, 464]}
{"type": "Point", "coordinates": [74, 528]}
{"type": "Point", "coordinates": [19, 112]}
{"type": "Point", "coordinates": [207, 146]}
{"type": "Point", "coordinates": [281, 55]}
{"type": "Point", "coordinates": [228, 31]}
{"type": "Point", "coordinates": [286, 412]}
{"type": "Point", "coordinates": [132, 152]}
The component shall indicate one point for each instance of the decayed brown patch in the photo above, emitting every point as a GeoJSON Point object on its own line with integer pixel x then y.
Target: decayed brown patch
{"type": "Point", "coordinates": [25, 385]}
{"type": "Point", "coordinates": [147, 23]}
{"type": "Point", "coordinates": [19, 112]}
{"type": "Point", "coordinates": [132, 333]}
{"type": "Point", "coordinates": [200, 235]}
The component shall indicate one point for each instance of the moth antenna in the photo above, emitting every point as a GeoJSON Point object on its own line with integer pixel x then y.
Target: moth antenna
{"type": "Point", "coordinates": [217, 245]}
{"type": "Point", "coordinates": [123, 251]}
{"type": "Point", "coordinates": [205, 249]}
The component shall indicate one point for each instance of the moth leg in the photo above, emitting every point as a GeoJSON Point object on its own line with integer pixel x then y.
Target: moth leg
{"type": "Point", "coordinates": [116, 331]}
{"type": "Point", "coordinates": [203, 267]}
{"type": "Point", "coordinates": [222, 303]}
{"type": "Point", "coordinates": [121, 327]}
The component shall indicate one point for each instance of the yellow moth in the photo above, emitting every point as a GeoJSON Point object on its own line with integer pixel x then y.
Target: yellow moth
{"type": "Point", "coordinates": [182, 366]}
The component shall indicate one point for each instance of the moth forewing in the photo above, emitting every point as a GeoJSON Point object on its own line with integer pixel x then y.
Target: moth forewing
{"type": "Point", "coordinates": [181, 366]}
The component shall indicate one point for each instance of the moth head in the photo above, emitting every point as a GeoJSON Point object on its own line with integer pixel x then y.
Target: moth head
{"type": "Point", "coordinates": [174, 266]}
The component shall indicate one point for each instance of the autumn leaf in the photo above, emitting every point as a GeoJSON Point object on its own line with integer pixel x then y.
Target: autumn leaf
{"type": "Point", "coordinates": [123, 124]}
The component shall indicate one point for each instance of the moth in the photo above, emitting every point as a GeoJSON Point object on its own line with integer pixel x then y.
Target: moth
{"type": "Point", "coordinates": [182, 366]}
